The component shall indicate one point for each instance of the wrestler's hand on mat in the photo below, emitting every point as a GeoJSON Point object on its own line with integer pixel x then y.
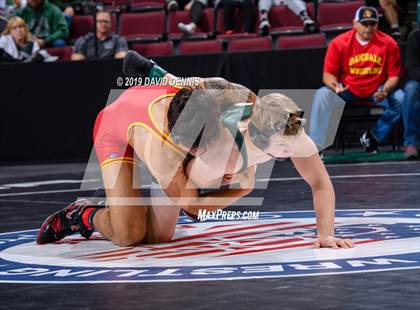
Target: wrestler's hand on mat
{"type": "Point", "coordinates": [332, 242]}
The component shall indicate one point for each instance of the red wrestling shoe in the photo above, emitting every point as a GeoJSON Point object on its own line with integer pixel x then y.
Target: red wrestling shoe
{"type": "Point", "coordinates": [67, 222]}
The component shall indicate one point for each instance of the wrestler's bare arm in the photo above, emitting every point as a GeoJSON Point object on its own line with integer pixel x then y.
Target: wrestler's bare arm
{"type": "Point", "coordinates": [313, 171]}
{"type": "Point", "coordinates": [166, 166]}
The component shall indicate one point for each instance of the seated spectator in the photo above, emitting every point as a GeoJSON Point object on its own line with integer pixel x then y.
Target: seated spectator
{"type": "Point", "coordinates": [391, 15]}
{"type": "Point", "coordinates": [229, 7]}
{"type": "Point", "coordinates": [389, 7]}
{"type": "Point", "coordinates": [195, 7]}
{"type": "Point", "coordinates": [16, 44]}
{"type": "Point", "coordinates": [9, 7]}
{"type": "Point", "coordinates": [411, 105]}
{"type": "Point", "coordinates": [69, 8]}
{"type": "Point", "coordinates": [45, 22]}
{"type": "Point", "coordinates": [296, 6]}
{"type": "Point", "coordinates": [362, 64]}
{"type": "Point", "coordinates": [109, 45]}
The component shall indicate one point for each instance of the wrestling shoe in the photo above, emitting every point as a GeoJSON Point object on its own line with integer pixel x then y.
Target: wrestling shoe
{"type": "Point", "coordinates": [369, 143]}
{"type": "Point", "coordinates": [66, 222]}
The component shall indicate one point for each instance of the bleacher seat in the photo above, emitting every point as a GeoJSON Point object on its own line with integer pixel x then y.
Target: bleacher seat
{"type": "Point", "coordinates": [154, 49]}
{"type": "Point", "coordinates": [82, 24]}
{"type": "Point", "coordinates": [283, 20]}
{"type": "Point", "coordinates": [204, 29]}
{"type": "Point", "coordinates": [337, 17]}
{"type": "Point", "coordinates": [147, 5]}
{"type": "Point", "coordinates": [200, 47]}
{"type": "Point", "coordinates": [148, 26]}
{"type": "Point", "coordinates": [64, 53]}
{"type": "Point", "coordinates": [302, 41]}
{"type": "Point", "coordinates": [252, 44]}
{"type": "Point", "coordinates": [239, 26]}
{"type": "Point", "coordinates": [115, 5]}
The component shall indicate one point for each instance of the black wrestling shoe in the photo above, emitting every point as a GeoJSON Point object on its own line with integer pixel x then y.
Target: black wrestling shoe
{"type": "Point", "coordinates": [369, 143]}
{"type": "Point", "coordinates": [135, 64]}
{"type": "Point", "coordinates": [65, 222]}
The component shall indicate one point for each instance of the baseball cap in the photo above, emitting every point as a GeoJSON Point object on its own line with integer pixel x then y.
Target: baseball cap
{"type": "Point", "coordinates": [365, 13]}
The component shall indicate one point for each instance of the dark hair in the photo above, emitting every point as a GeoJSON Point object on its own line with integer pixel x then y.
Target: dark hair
{"type": "Point", "coordinates": [196, 123]}
{"type": "Point", "coordinates": [105, 12]}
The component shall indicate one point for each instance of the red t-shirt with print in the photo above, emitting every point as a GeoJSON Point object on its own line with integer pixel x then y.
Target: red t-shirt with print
{"type": "Point", "coordinates": [363, 68]}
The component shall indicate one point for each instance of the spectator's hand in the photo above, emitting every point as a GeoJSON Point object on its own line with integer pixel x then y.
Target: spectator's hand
{"type": "Point", "coordinates": [332, 242]}
{"type": "Point", "coordinates": [188, 6]}
{"type": "Point", "coordinates": [40, 42]}
{"type": "Point", "coordinates": [380, 95]}
{"type": "Point", "coordinates": [338, 88]}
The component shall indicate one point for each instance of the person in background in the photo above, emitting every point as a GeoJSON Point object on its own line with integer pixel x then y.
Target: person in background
{"type": "Point", "coordinates": [362, 64]}
{"type": "Point", "coordinates": [391, 14]}
{"type": "Point", "coordinates": [16, 44]}
{"type": "Point", "coordinates": [411, 105]}
{"type": "Point", "coordinates": [296, 6]}
{"type": "Point", "coordinates": [46, 23]}
{"type": "Point", "coordinates": [69, 8]}
{"type": "Point", "coordinates": [109, 45]}
{"type": "Point", "coordinates": [229, 7]}
{"type": "Point", "coordinates": [195, 7]}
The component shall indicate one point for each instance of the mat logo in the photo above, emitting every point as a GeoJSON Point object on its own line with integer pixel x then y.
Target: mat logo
{"type": "Point", "coordinates": [278, 244]}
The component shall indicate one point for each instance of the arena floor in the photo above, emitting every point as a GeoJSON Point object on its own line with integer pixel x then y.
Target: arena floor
{"type": "Point", "coordinates": [27, 196]}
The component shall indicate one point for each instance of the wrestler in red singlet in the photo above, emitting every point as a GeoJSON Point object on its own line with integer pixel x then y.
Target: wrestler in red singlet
{"type": "Point", "coordinates": [132, 108]}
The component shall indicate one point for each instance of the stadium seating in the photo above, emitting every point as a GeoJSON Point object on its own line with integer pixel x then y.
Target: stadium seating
{"type": "Point", "coordinates": [200, 47]}
{"type": "Point", "coordinates": [148, 26]}
{"type": "Point", "coordinates": [252, 44]}
{"type": "Point", "coordinates": [205, 28]}
{"type": "Point", "coordinates": [303, 41]}
{"type": "Point", "coordinates": [337, 17]}
{"type": "Point", "coordinates": [154, 49]}
{"type": "Point", "coordinates": [64, 53]}
{"type": "Point", "coordinates": [147, 5]}
{"type": "Point", "coordinates": [239, 26]}
{"type": "Point", "coordinates": [283, 20]}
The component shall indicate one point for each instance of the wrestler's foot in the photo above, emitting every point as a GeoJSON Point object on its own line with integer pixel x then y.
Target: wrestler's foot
{"type": "Point", "coordinates": [66, 222]}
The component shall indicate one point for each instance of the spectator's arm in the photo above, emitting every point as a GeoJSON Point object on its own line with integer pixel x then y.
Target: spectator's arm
{"type": "Point", "coordinates": [122, 48]}
{"type": "Point", "coordinates": [330, 80]}
{"type": "Point", "coordinates": [76, 56]}
{"type": "Point", "coordinates": [332, 65]}
{"type": "Point", "coordinates": [391, 84]}
{"type": "Point", "coordinates": [59, 26]}
{"type": "Point", "coordinates": [79, 52]}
